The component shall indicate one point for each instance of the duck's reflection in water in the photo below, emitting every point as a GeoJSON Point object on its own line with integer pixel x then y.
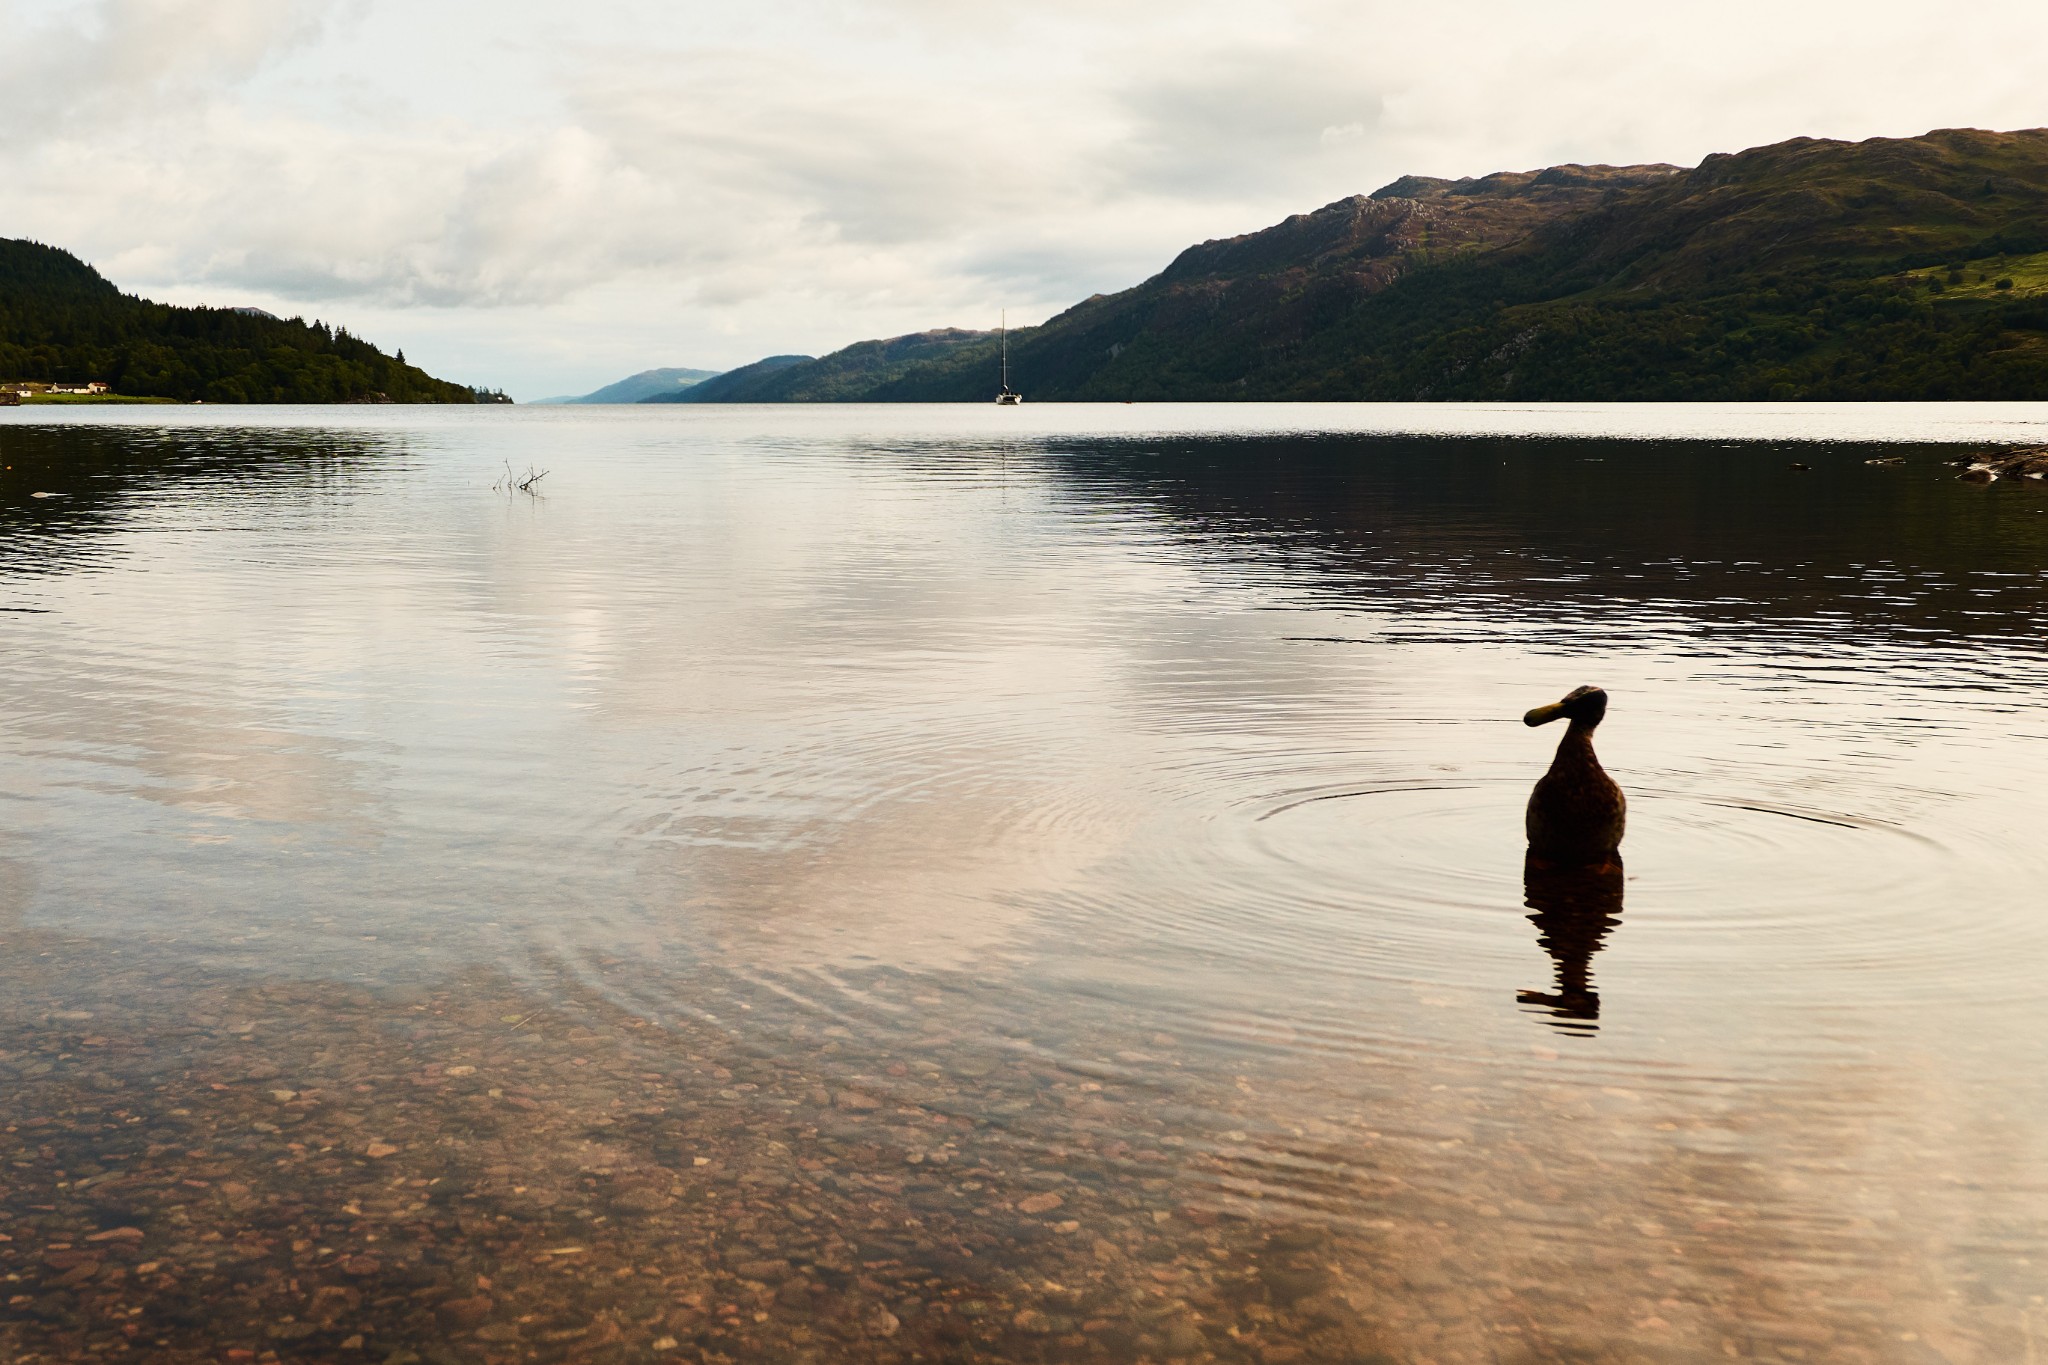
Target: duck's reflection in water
{"type": "Point", "coordinates": [1573, 909]}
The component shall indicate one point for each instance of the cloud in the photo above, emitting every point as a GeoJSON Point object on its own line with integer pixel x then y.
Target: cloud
{"type": "Point", "coordinates": [122, 59]}
{"type": "Point", "coordinates": [632, 183]}
{"type": "Point", "coordinates": [1245, 121]}
{"type": "Point", "coordinates": [469, 220]}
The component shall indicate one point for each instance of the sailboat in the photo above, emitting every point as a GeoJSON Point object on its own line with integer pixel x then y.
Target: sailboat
{"type": "Point", "coordinates": [1008, 398]}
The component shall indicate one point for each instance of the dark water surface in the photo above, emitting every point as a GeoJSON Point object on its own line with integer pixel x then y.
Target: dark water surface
{"type": "Point", "coordinates": [1044, 884]}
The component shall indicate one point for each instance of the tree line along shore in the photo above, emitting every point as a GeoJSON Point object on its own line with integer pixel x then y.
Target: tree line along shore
{"type": "Point", "coordinates": [64, 324]}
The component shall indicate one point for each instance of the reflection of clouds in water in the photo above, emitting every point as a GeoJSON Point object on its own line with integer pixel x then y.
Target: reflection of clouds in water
{"type": "Point", "coordinates": [850, 745]}
{"type": "Point", "coordinates": [909, 742]}
{"type": "Point", "coordinates": [221, 767]}
{"type": "Point", "coordinates": [940, 881]}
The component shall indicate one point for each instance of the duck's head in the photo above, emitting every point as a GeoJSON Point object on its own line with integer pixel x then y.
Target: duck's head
{"type": "Point", "coordinates": [1583, 707]}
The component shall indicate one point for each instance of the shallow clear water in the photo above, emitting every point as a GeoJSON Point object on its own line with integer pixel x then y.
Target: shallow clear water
{"type": "Point", "coordinates": [1169, 757]}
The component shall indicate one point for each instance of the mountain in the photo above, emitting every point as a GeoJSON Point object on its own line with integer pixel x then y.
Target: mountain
{"type": "Point", "coordinates": [845, 376]}
{"type": "Point", "coordinates": [736, 386]}
{"type": "Point", "coordinates": [648, 386]}
{"type": "Point", "coordinates": [62, 322]}
{"type": "Point", "coordinates": [1895, 268]}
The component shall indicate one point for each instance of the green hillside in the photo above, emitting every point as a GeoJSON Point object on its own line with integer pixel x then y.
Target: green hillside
{"type": "Point", "coordinates": [1806, 269]}
{"type": "Point", "coordinates": [62, 322]}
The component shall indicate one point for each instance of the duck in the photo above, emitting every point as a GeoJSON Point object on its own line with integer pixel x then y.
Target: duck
{"type": "Point", "coordinates": [1576, 812]}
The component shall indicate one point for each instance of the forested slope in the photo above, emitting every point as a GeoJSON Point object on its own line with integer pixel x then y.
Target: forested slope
{"type": "Point", "coordinates": [62, 322]}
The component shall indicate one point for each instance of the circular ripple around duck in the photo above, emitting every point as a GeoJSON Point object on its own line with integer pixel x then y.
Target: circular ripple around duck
{"type": "Point", "coordinates": [1422, 880]}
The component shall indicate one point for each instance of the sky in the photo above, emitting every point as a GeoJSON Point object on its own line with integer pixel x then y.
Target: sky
{"type": "Point", "coordinates": [545, 197]}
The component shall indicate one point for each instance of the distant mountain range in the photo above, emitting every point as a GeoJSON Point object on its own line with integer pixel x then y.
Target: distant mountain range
{"type": "Point", "coordinates": [648, 386]}
{"type": "Point", "coordinates": [737, 386]}
{"type": "Point", "coordinates": [1912, 268]}
{"type": "Point", "coordinates": [62, 322]}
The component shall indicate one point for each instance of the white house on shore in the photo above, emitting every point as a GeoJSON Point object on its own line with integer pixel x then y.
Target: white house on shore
{"type": "Point", "coordinates": [31, 390]}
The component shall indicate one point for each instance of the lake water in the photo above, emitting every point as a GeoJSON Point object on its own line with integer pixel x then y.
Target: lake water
{"type": "Point", "coordinates": [1019, 884]}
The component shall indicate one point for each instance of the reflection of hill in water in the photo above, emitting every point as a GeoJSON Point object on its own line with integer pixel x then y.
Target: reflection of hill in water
{"type": "Point", "coordinates": [96, 478]}
{"type": "Point", "coordinates": [1718, 533]}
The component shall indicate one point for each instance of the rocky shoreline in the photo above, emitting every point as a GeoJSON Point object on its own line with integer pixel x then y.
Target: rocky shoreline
{"type": "Point", "coordinates": [2025, 462]}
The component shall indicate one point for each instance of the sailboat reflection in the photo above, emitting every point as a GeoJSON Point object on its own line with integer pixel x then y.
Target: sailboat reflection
{"type": "Point", "coordinates": [1573, 909]}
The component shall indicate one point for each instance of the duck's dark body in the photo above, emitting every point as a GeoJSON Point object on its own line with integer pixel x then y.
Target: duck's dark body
{"type": "Point", "coordinates": [1576, 813]}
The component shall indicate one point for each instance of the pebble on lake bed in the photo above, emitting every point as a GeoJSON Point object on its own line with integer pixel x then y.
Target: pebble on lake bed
{"type": "Point", "coordinates": [685, 1195]}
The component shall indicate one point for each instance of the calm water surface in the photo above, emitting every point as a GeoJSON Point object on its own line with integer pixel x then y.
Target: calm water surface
{"type": "Point", "coordinates": [1133, 793]}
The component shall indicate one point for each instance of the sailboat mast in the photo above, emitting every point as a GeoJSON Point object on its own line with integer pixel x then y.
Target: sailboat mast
{"type": "Point", "coordinates": [1006, 398]}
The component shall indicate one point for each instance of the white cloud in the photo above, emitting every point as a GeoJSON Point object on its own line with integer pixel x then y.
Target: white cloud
{"type": "Point", "coordinates": [75, 69]}
{"type": "Point", "coordinates": [1247, 119]}
{"type": "Point", "coordinates": [544, 196]}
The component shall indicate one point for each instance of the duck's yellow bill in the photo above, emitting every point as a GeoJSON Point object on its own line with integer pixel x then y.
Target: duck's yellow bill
{"type": "Point", "coordinates": [1543, 715]}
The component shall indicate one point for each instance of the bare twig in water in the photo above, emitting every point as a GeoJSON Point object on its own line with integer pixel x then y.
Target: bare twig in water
{"type": "Point", "coordinates": [516, 483]}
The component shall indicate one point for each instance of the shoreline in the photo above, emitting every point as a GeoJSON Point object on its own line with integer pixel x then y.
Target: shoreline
{"type": "Point", "coordinates": [79, 400]}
